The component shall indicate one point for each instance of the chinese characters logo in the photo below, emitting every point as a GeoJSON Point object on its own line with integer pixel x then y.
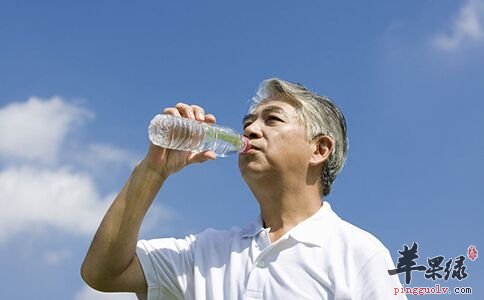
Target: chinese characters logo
{"type": "Point", "coordinates": [436, 268]}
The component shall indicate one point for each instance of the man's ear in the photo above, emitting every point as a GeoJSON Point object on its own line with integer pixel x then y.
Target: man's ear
{"type": "Point", "coordinates": [323, 146]}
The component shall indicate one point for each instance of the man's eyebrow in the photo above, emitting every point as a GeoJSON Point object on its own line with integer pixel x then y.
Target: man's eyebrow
{"type": "Point", "coordinates": [274, 108]}
{"type": "Point", "coordinates": [246, 118]}
{"type": "Point", "coordinates": [266, 110]}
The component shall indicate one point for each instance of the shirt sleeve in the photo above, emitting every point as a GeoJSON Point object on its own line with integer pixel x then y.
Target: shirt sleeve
{"type": "Point", "coordinates": [168, 266]}
{"type": "Point", "coordinates": [374, 282]}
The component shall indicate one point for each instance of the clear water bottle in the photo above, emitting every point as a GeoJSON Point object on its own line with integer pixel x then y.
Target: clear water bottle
{"type": "Point", "coordinates": [183, 134]}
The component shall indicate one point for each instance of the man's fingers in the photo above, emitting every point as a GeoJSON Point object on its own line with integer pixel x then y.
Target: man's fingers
{"type": "Point", "coordinates": [199, 112]}
{"type": "Point", "coordinates": [185, 110]}
{"type": "Point", "coordinates": [202, 157]}
{"type": "Point", "coordinates": [190, 112]}
{"type": "Point", "coordinates": [209, 118]}
{"type": "Point", "coordinates": [171, 111]}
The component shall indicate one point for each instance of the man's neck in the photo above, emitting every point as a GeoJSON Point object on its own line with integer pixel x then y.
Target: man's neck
{"type": "Point", "coordinates": [284, 207]}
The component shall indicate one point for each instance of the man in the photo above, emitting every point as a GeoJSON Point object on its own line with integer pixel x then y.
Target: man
{"type": "Point", "coordinates": [298, 248]}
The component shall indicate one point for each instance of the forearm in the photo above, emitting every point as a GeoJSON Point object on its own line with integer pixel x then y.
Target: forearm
{"type": "Point", "coordinates": [114, 245]}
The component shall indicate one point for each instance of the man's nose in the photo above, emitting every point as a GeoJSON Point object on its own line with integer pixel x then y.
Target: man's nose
{"type": "Point", "coordinates": [252, 131]}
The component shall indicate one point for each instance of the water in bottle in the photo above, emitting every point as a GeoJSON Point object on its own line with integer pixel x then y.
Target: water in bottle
{"type": "Point", "coordinates": [190, 135]}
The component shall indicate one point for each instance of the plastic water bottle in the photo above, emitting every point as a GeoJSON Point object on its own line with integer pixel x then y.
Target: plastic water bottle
{"type": "Point", "coordinates": [183, 134]}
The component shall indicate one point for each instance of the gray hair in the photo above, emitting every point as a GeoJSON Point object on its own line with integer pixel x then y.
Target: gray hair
{"type": "Point", "coordinates": [318, 114]}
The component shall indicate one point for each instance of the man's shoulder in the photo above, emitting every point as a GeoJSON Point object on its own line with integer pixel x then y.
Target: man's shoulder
{"type": "Point", "coordinates": [220, 237]}
{"type": "Point", "coordinates": [359, 237]}
{"type": "Point", "coordinates": [217, 234]}
{"type": "Point", "coordinates": [355, 240]}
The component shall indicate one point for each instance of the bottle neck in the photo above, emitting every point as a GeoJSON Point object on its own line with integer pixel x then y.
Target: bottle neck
{"type": "Point", "coordinates": [246, 144]}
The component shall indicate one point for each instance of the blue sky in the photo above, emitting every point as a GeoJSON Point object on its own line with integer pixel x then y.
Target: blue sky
{"type": "Point", "coordinates": [80, 82]}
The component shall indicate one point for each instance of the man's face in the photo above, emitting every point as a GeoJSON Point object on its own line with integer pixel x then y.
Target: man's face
{"type": "Point", "coordinates": [279, 144]}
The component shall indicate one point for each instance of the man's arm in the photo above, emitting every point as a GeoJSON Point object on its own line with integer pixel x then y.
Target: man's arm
{"type": "Point", "coordinates": [374, 282]}
{"type": "Point", "coordinates": [111, 264]}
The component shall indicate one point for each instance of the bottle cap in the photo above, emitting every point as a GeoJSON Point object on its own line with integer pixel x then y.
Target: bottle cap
{"type": "Point", "coordinates": [246, 145]}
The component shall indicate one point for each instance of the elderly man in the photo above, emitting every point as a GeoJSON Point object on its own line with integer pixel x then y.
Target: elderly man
{"type": "Point", "coordinates": [297, 248]}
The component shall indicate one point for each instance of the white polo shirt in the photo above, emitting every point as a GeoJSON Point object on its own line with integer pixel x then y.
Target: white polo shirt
{"type": "Point", "coordinates": [323, 257]}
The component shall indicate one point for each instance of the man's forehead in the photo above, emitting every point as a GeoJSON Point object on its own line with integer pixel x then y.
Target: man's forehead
{"type": "Point", "coordinates": [273, 103]}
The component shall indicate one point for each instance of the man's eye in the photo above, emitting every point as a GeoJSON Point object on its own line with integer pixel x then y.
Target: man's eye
{"type": "Point", "coordinates": [246, 124]}
{"type": "Point", "coordinates": [274, 118]}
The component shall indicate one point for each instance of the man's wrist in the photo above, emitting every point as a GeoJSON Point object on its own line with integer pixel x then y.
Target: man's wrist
{"type": "Point", "coordinates": [151, 173]}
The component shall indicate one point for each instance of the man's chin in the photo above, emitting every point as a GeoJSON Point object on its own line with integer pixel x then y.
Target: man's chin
{"type": "Point", "coordinates": [253, 171]}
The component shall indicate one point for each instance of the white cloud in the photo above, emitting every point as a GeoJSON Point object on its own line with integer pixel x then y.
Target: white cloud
{"type": "Point", "coordinates": [100, 156]}
{"type": "Point", "coordinates": [36, 195]}
{"type": "Point", "coordinates": [56, 257]}
{"type": "Point", "coordinates": [467, 27]}
{"type": "Point", "coordinates": [36, 129]}
{"type": "Point", "coordinates": [89, 294]}
{"type": "Point", "coordinates": [38, 198]}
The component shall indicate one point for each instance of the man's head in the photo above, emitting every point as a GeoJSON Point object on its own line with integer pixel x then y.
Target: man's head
{"type": "Point", "coordinates": [320, 117]}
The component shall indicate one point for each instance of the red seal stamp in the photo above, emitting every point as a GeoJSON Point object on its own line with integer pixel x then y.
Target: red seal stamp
{"type": "Point", "coordinates": [472, 252]}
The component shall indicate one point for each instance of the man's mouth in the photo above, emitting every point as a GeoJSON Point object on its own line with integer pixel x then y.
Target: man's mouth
{"type": "Point", "coordinates": [251, 149]}
{"type": "Point", "coordinates": [254, 147]}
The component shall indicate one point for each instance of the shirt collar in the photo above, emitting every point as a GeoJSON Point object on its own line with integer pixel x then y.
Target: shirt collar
{"type": "Point", "coordinates": [313, 230]}
{"type": "Point", "coordinates": [253, 229]}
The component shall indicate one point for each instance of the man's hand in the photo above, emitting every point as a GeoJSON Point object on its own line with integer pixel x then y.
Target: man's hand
{"type": "Point", "coordinates": [166, 161]}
